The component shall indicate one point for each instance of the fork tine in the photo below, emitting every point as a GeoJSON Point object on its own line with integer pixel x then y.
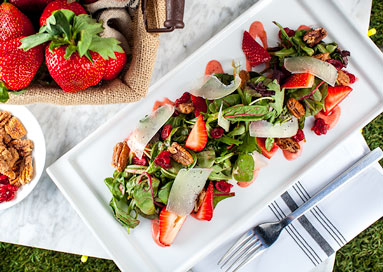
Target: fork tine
{"type": "Point", "coordinates": [240, 242]}
{"type": "Point", "coordinates": [251, 255]}
{"type": "Point", "coordinates": [244, 253]}
{"type": "Point", "coordinates": [240, 250]}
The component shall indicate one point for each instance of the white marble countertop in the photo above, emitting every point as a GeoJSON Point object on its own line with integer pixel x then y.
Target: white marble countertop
{"type": "Point", "coordinates": [45, 219]}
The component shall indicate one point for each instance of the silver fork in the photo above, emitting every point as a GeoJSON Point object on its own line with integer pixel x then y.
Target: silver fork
{"type": "Point", "coordinates": [259, 238]}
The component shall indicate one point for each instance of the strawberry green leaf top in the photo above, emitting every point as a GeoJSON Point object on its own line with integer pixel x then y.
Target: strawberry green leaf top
{"type": "Point", "coordinates": [79, 33]}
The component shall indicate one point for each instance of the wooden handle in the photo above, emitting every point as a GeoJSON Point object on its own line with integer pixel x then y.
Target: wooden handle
{"type": "Point", "coordinates": [174, 14]}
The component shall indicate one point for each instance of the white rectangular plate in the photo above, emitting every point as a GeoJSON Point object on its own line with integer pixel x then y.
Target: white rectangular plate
{"type": "Point", "coordinates": [79, 174]}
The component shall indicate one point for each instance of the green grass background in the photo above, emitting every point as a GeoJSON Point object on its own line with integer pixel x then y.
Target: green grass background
{"type": "Point", "coordinates": [364, 253]}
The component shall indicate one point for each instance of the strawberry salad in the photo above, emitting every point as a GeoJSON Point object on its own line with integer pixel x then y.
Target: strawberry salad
{"type": "Point", "coordinates": [185, 157]}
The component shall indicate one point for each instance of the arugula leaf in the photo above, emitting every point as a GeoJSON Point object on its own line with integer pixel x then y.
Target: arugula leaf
{"type": "Point", "coordinates": [243, 168]}
{"type": "Point", "coordinates": [245, 113]}
{"type": "Point", "coordinates": [227, 101]}
{"type": "Point", "coordinates": [278, 97]}
{"type": "Point", "coordinates": [143, 196]}
{"type": "Point", "coordinates": [229, 141]}
{"type": "Point", "coordinates": [224, 78]}
{"type": "Point", "coordinates": [238, 130]}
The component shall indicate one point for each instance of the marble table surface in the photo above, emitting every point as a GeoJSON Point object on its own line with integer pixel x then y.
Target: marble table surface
{"type": "Point", "coordinates": [45, 219]}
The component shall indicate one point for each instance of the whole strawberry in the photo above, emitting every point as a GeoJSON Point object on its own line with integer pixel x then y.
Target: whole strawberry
{"type": "Point", "coordinates": [76, 56]}
{"type": "Point", "coordinates": [75, 73]}
{"type": "Point", "coordinates": [13, 23]}
{"type": "Point", "coordinates": [60, 4]}
{"type": "Point", "coordinates": [30, 5]}
{"type": "Point", "coordinates": [17, 67]}
{"type": "Point", "coordinates": [115, 66]}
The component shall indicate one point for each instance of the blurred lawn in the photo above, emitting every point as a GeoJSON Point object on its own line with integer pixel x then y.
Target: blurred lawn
{"type": "Point", "coordinates": [364, 253]}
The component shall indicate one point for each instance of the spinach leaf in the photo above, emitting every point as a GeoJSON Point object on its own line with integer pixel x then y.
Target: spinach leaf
{"type": "Point", "coordinates": [245, 113]}
{"type": "Point", "coordinates": [121, 211]}
{"type": "Point", "coordinates": [249, 145]}
{"type": "Point", "coordinates": [243, 168]}
{"type": "Point", "coordinates": [163, 193]}
{"type": "Point", "coordinates": [224, 78]}
{"type": "Point", "coordinates": [219, 196]}
{"type": "Point", "coordinates": [143, 196]}
{"type": "Point", "coordinates": [238, 130]}
{"type": "Point", "coordinates": [206, 158]}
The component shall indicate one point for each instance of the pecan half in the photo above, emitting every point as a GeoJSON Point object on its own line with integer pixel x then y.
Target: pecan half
{"type": "Point", "coordinates": [26, 170]}
{"type": "Point", "coordinates": [323, 56]}
{"type": "Point", "coordinates": [199, 200]}
{"type": "Point", "coordinates": [120, 156]}
{"type": "Point", "coordinates": [186, 108]}
{"type": "Point", "coordinates": [4, 117]}
{"type": "Point", "coordinates": [295, 108]}
{"type": "Point", "coordinates": [24, 147]}
{"type": "Point", "coordinates": [15, 128]}
{"type": "Point", "coordinates": [288, 144]}
{"type": "Point", "coordinates": [245, 76]}
{"type": "Point", "coordinates": [314, 37]}
{"type": "Point", "coordinates": [180, 154]}
{"type": "Point", "coordinates": [343, 79]}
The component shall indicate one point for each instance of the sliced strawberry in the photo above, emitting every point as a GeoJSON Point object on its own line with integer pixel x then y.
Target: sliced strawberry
{"type": "Point", "coordinates": [197, 138]}
{"type": "Point", "coordinates": [170, 225]}
{"type": "Point", "coordinates": [265, 152]}
{"type": "Point", "coordinates": [254, 52]}
{"type": "Point", "coordinates": [156, 232]}
{"type": "Point", "coordinates": [301, 80]}
{"type": "Point", "coordinates": [199, 104]}
{"type": "Point", "coordinates": [335, 96]}
{"type": "Point", "coordinates": [205, 212]}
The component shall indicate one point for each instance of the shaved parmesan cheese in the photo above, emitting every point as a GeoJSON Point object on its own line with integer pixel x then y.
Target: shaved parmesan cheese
{"type": "Point", "coordinates": [147, 128]}
{"type": "Point", "coordinates": [222, 122]}
{"type": "Point", "coordinates": [316, 67]}
{"type": "Point", "coordinates": [266, 129]}
{"type": "Point", "coordinates": [186, 187]}
{"type": "Point", "coordinates": [259, 161]}
{"type": "Point", "coordinates": [215, 89]}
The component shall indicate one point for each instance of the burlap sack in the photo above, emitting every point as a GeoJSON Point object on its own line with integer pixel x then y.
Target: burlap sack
{"type": "Point", "coordinates": [135, 81]}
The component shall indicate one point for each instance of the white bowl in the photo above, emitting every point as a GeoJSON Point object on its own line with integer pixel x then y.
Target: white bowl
{"type": "Point", "coordinates": [34, 133]}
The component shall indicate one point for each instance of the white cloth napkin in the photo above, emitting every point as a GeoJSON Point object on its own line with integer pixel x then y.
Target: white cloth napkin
{"type": "Point", "coordinates": [320, 233]}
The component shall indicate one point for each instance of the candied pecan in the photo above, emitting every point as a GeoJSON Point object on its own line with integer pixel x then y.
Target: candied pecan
{"type": "Point", "coordinates": [199, 200]}
{"type": "Point", "coordinates": [245, 76]}
{"type": "Point", "coordinates": [120, 156]}
{"type": "Point", "coordinates": [186, 108]}
{"type": "Point", "coordinates": [288, 144]}
{"type": "Point", "coordinates": [26, 170]}
{"type": "Point", "coordinates": [323, 56]}
{"type": "Point", "coordinates": [8, 158]}
{"type": "Point", "coordinates": [15, 128]}
{"type": "Point", "coordinates": [24, 147]}
{"type": "Point", "coordinates": [343, 78]}
{"type": "Point", "coordinates": [180, 154]}
{"type": "Point", "coordinates": [295, 108]}
{"type": "Point", "coordinates": [4, 117]}
{"type": "Point", "coordinates": [314, 37]}
{"type": "Point", "coordinates": [4, 136]}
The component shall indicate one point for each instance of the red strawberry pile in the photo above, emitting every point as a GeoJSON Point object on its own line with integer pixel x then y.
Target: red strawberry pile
{"type": "Point", "coordinates": [75, 54]}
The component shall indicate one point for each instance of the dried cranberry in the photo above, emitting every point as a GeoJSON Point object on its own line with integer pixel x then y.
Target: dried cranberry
{"type": "Point", "coordinates": [223, 186]}
{"type": "Point", "coordinates": [199, 105]}
{"type": "Point", "coordinates": [183, 99]}
{"type": "Point", "coordinates": [4, 180]}
{"type": "Point", "coordinates": [166, 131]}
{"type": "Point", "coordinates": [216, 133]}
{"type": "Point", "coordinates": [138, 161]}
{"type": "Point", "coordinates": [320, 127]}
{"type": "Point", "coordinates": [299, 136]}
{"type": "Point", "coordinates": [350, 76]}
{"type": "Point", "coordinates": [163, 159]}
{"type": "Point", "coordinates": [289, 32]}
{"type": "Point", "coordinates": [337, 63]}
